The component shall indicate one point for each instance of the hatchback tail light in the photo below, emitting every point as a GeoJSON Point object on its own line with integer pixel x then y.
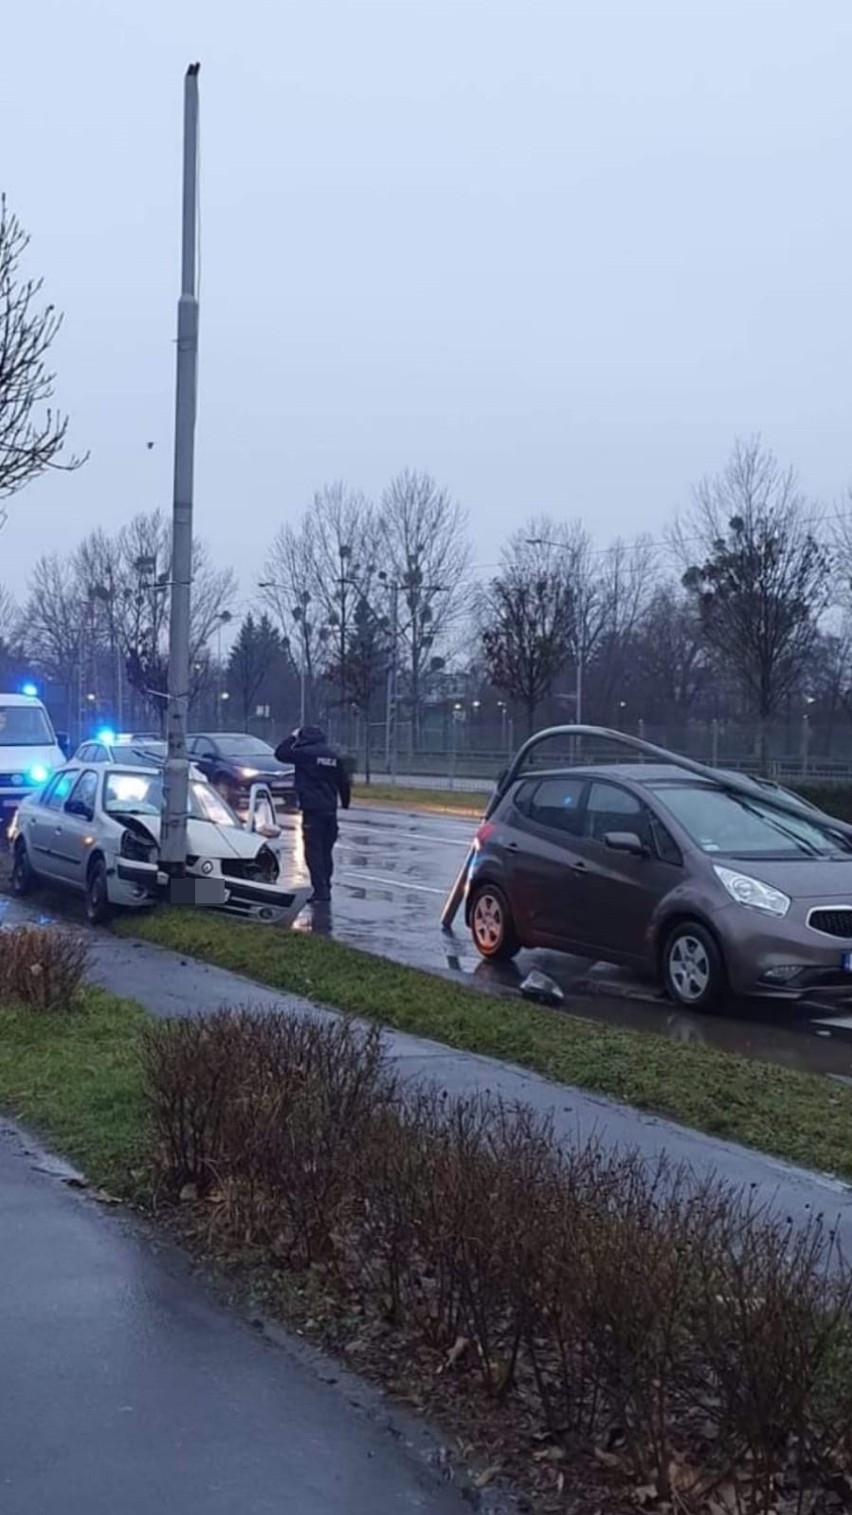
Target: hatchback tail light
{"type": "Point", "coordinates": [484, 834]}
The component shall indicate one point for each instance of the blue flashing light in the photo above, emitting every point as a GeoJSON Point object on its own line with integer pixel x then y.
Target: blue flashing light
{"type": "Point", "coordinates": [30, 690]}
{"type": "Point", "coordinates": [39, 773]}
{"type": "Point", "coordinates": [106, 735]}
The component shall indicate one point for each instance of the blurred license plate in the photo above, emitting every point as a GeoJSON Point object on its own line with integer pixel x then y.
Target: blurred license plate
{"type": "Point", "coordinates": [847, 962]}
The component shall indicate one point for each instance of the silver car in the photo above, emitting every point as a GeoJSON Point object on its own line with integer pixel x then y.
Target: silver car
{"type": "Point", "coordinates": [96, 830]}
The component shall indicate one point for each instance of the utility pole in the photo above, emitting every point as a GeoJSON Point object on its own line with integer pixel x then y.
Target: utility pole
{"type": "Point", "coordinates": [390, 711]}
{"type": "Point", "coordinates": [176, 773]}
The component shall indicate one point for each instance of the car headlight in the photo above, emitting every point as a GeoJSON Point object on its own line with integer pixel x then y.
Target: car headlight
{"type": "Point", "coordinates": [39, 773]}
{"type": "Point", "coordinates": [249, 773]}
{"type": "Point", "coordinates": [136, 848]}
{"type": "Point", "coordinates": [750, 891]}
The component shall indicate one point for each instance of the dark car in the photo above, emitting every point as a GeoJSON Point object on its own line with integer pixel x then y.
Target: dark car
{"type": "Point", "coordinates": [234, 760]}
{"type": "Point", "coordinates": [656, 868]}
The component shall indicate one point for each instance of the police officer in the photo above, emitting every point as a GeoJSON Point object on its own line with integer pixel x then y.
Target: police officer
{"type": "Point", "coordinates": [321, 781]}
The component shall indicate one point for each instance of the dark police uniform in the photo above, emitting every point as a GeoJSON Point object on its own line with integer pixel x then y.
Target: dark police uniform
{"type": "Point", "coordinates": [321, 781]}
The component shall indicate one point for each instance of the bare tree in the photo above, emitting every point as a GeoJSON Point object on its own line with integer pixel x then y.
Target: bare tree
{"type": "Point", "coordinates": [53, 628]}
{"type": "Point", "coordinates": [8, 615]}
{"type": "Point", "coordinates": [425, 553]}
{"type": "Point", "coordinates": [32, 434]}
{"type": "Point", "coordinates": [670, 655]}
{"type": "Point", "coordinates": [526, 619]}
{"type": "Point", "coordinates": [621, 581]}
{"type": "Point", "coordinates": [141, 603]}
{"type": "Point", "coordinates": [102, 617]}
{"type": "Point", "coordinates": [759, 574]}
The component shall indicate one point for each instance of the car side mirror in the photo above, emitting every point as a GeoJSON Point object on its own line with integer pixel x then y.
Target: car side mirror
{"type": "Point", "coordinates": [625, 841]}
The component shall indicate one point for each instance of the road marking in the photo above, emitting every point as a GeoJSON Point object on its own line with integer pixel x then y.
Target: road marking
{"type": "Point", "coordinates": [398, 883]}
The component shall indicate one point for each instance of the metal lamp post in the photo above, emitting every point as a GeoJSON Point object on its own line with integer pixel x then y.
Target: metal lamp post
{"type": "Point", "coordinates": [173, 844]}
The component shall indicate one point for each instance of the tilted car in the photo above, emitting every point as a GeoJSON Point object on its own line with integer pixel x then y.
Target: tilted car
{"type": "Point", "coordinates": [709, 883]}
{"type": "Point", "coordinates": [96, 830]}
{"type": "Point", "coordinates": [234, 760]}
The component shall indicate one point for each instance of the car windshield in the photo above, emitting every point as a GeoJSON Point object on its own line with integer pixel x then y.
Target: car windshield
{"type": "Point", "coordinates": [245, 746]}
{"type": "Point", "coordinates": [738, 826]}
{"type": "Point", "coordinates": [141, 793]}
{"type": "Point", "coordinates": [24, 726]}
{"type": "Point", "coordinates": [138, 757]}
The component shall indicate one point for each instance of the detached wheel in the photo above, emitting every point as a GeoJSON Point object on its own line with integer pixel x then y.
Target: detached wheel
{"type": "Point", "coordinates": [693, 970]}
{"type": "Point", "coordinates": [491, 924]}
{"type": "Point", "coordinates": [98, 908]}
{"type": "Point", "coordinates": [23, 881]}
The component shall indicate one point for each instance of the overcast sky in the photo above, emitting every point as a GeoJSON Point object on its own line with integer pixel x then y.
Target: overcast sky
{"type": "Point", "coordinates": [556, 254]}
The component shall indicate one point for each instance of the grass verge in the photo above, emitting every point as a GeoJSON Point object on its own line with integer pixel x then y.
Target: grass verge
{"type": "Point", "coordinates": [793, 1115]}
{"type": "Point", "coordinates": [75, 1078]}
{"type": "Point", "coordinates": [430, 801]}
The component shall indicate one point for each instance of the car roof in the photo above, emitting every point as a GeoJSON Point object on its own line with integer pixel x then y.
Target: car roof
{"type": "Point", "coordinates": [634, 773]}
{"type": "Point", "coordinates": [19, 699]}
{"type": "Point", "coordinates": [225, 736]}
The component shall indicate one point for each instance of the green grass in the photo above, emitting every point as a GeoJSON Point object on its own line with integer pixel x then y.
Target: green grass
{"type": "Point", "coordinates": [433, 801]}
{"type": "Point", "coordinates": [793, 1115]}
{"type": "Point", "coordinates": [75, 1079]}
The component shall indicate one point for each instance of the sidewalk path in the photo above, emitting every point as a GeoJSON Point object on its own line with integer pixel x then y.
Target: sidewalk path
{"type": "Point", "coordinates": [126, 1388]}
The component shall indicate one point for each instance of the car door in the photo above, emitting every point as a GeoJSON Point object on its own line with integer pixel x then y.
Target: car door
{"type": "Point", "coordinates": [618, 892]}
{"type": "Point", "coordinates": [540, 858]}
{"type": "Point", "coordinates": [72, 841]}
{"type": "Point", "coordinates": [42, 824]}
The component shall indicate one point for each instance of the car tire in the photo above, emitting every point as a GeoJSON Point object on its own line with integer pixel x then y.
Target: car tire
{"type": "Point", "coordinates": [693, 969]}
{"type": "Point", "coordinates": [491, 924]}
{"type": "Point", "coordinates": [23, 881]}
{"type": "Point", "coordinates": [98, 908]}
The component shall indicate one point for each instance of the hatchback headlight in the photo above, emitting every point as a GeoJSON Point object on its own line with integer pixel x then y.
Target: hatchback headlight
{"type": "Point", "coordinates": [750, 891]}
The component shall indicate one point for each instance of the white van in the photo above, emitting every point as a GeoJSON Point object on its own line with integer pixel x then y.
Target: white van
{"type": "Point", "coordinates": [29, 751]}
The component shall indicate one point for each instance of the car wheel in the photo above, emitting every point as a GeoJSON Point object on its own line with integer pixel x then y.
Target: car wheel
{"type": "Point", "coordinates": [23, 880]}
{"type": "Point", "coordinates": [98, 908]}
{"type": "Point", "coordinates": [693, 970]}
{"type": "Point", "coordinates": [491, 924]}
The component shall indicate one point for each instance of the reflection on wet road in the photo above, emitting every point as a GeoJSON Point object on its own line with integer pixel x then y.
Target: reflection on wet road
{"type": "Point", "coordinates": [392, 874]}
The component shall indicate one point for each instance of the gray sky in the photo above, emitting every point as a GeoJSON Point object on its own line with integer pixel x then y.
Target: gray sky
{"type": "Point", "coordinates": [557, 254]}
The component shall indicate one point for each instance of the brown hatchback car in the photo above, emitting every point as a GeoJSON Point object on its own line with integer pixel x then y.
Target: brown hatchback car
{"type": "Point", "coordinates": [708, 886]}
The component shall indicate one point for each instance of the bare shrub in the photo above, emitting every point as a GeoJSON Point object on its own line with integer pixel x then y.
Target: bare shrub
{"type": "Point", "coordinates": [273, 1111]}
{"type": "Point", "coordinates": [632, 1308]}
{"type": "Point", "coordinates": [42, 967]}
{"type": "Point", "coordinates": [774, 1319]}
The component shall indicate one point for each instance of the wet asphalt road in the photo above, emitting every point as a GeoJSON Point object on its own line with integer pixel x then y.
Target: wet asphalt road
{"type": "Point", "coordinates": [393, 872]}
{"type": "Point", "coordinates": [127, 1388]}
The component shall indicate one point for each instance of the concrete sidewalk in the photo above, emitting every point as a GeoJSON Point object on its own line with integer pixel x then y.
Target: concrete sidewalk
{"type": "Point", "coordinates": [127, 1390]}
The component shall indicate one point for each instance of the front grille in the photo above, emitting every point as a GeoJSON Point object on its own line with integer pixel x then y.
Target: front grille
{"type": "Point", "coordinates": [832, 922]}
